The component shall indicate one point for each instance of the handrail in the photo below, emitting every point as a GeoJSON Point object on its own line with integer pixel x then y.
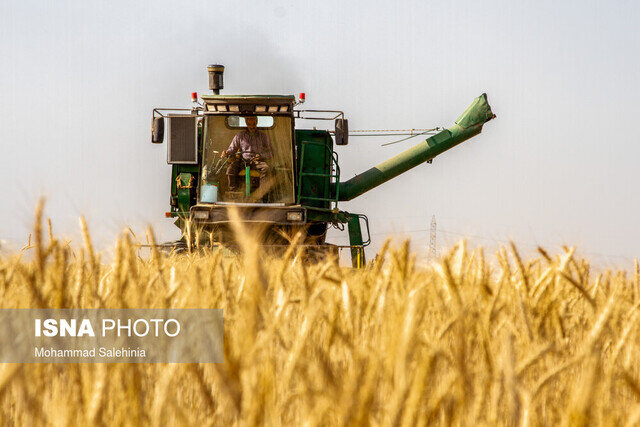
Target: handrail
{"type": "Point", "coordinates": [334, 165]}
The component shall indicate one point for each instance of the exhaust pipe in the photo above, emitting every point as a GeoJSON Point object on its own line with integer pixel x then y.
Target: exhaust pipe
{"type": "Point", "coordinates": [215, 78]}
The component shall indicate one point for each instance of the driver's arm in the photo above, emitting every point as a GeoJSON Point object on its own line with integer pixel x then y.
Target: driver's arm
{"type": "Point", "coordinates": [233, 147]}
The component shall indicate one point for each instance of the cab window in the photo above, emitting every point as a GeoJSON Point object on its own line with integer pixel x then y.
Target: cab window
{"type": "Point", "coordinates": [219, 133]}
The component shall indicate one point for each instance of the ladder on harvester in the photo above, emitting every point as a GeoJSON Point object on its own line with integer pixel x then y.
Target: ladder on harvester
{"type": "Point", "coordinates": [334, 174]}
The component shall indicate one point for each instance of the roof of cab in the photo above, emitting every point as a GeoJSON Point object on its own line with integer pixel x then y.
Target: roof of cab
{"type": "Point", "coordinates": [248, 98]}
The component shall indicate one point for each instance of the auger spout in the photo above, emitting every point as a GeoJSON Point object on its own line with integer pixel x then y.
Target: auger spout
{"type": "Point", "coordinates": [468, 125]}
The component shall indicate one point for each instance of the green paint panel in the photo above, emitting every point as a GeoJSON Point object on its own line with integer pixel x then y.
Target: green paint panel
{"type": "Point", "coordinates": [314, 156]}
{"type": "Point", "coordinates": [355, 240]}
{"type": "Point", "coordinates": [183, 198]}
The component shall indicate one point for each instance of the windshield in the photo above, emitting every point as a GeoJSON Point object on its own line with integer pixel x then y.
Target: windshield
{"type": "Point", "coordinates": [259, 145]}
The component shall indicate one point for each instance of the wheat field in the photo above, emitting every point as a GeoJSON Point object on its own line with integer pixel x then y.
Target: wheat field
{"type": "Point", "coordinates": [467, 340]}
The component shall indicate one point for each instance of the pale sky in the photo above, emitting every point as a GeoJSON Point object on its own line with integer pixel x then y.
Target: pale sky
{"type": "Point", "coordinates": [558, 166]}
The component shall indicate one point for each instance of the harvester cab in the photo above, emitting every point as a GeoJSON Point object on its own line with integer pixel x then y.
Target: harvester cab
{"type": "Point", "coordinates": [248, 151]}
{"type": "Point", "coordinates": [244, 153]}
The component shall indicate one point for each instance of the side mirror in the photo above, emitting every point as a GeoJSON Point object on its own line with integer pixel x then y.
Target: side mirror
{"type": "Point", "coordinates": [342, 132]}
{"type": "Point", "coordinates": [157, 130]}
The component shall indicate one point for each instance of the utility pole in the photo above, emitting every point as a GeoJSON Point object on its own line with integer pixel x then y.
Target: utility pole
{"type": "Point", "coordinates": [432, 239]}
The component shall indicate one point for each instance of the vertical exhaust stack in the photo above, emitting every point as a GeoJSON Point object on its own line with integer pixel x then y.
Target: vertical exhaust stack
{"type": "Point", "coordinates": [216, 72]}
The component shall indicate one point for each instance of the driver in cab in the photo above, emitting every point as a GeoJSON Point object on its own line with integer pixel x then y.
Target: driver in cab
{"type": "Point", "coordinates": [254, 147]}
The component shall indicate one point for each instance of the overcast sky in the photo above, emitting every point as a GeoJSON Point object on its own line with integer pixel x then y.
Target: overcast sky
{"type": "Point", "coordinates": [559, 165]}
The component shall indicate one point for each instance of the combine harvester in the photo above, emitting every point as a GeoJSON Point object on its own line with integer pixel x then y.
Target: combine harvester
{"type": "Point", "coordinates": [300, 186]}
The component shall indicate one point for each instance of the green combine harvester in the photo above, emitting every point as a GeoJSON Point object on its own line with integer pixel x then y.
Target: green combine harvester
{"type": "Point", "coordinates": [244, 152]}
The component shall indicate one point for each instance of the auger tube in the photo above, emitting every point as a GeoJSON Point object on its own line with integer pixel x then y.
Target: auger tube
{"type": "Point", "coordinates": [468, 125]}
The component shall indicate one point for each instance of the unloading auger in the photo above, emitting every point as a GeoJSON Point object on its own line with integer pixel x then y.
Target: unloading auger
{"type": "Point", "coordinates": [468, 125]}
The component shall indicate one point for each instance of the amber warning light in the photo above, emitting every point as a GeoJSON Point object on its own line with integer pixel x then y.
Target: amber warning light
{"type": "Point", "coordinates": [194, 96]}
